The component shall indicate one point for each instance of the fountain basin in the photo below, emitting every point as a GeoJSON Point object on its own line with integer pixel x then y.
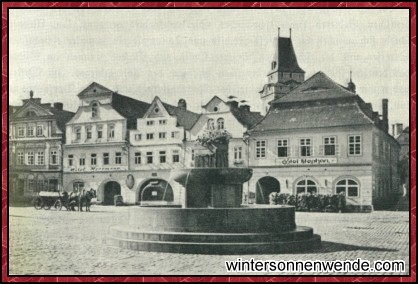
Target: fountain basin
{"type": "Point", "coordinates": [252, 229]}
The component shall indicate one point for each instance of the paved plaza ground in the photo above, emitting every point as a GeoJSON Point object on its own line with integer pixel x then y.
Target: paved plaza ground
{"type": "Point", "coordinates": [53, 242]}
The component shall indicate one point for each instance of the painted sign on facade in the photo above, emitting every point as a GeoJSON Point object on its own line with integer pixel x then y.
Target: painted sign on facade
{"type": "Point", "coordinates": [306, 161]}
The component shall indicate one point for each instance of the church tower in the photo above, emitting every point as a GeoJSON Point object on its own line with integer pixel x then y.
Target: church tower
{"type": "Point", "coordinates": [285, 73]}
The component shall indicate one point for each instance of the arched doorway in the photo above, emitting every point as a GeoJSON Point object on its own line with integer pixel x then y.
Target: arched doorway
{"type": "Point", "coordinates": [111, 189]}
{"type": "Point", "coordinates": [156, 190]}
{"type": "Point", "coordinates": [264, 187]}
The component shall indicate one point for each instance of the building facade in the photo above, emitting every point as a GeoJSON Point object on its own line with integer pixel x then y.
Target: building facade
{"type": "Point", "coordinates": [36, 136]}
{"type": "Point", "coordinates": [96, 152]}
{"type": "Point", "coordinates": [322, 137]}
{"type": "Point", "coordinates": [158, 146]}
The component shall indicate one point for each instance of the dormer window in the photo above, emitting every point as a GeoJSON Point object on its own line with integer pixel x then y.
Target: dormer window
{"type": "Point", "coordinates": [94, 109]}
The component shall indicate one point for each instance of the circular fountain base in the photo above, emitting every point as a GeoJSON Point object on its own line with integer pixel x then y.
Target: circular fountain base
{"type": "Point", "coordinates": [245, 230]}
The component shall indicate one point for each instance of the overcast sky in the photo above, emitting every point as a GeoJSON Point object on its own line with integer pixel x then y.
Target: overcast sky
{"type": "Point", "coordinates": [196, 54]}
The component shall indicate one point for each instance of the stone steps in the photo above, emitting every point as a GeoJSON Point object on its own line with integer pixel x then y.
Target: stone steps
{"type": "Point", "coordinates": [300, 239]}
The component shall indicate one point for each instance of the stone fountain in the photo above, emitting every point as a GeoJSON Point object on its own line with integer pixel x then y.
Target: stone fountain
{"type": "Point", "coordinates": [211, 219]}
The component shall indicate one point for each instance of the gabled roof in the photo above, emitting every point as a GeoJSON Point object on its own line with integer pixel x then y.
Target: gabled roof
{"type": "Point", "coordinates": [129, 108]}
{"type": "Point", "coordinates": [61, 116]}
{"type": "Point", "coordinates": [92, 89]}
{"type": "Point", "coordinates": [245, 117]}
{"type": "Point", "coordinates": [287, 57]}
{"type": "Point", "coordinates": [185, 117]}
{"type": "Point", "coordinates": [313, 116]}
{"type": "Point", "coordinates": [214, 97]}
{"type": "Point", "coordinates": [319, 86]}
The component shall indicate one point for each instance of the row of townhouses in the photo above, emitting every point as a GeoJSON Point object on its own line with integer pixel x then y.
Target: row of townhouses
{"type": "Point", "coordinates": [312, 136]}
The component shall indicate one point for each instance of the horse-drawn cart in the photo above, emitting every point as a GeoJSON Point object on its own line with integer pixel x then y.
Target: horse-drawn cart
{"type": "Point", "coordinates": [54, 199]}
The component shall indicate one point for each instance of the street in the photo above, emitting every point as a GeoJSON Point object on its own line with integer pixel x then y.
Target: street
{"type": "Point", "coordinates": [49, 242]}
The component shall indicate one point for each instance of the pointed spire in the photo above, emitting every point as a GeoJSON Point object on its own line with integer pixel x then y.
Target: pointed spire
{"type": "Point", "coordinates": [351, 85]}
{"type": "Point", "coordinates": [31, 94]}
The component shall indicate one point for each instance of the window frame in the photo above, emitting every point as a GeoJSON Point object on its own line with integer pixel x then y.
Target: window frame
{"type": "Point", "coordinates": [306, 185]}
{"type": "Point", "coordinates": [325, 145]}
{"type": "Point", "coordinates": [257, 147]}
{"type": "Point", "coordinates": [308, 146]}
{"type": "Point", "coordinates": [360, 143]}
{"type": "Point", "coordinates": [283, 146]}
{"type": "Point", "coordinates": [347, 186]}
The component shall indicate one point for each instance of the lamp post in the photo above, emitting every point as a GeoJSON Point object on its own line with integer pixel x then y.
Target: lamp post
{"type": "Point", "coordinates": [246, 139]}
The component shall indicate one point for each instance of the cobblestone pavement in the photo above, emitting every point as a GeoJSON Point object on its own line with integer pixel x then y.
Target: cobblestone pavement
{"type": "Point", "coordinates": [75, 243]}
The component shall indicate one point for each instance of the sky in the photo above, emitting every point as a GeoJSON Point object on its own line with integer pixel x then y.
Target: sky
{"type": "Point", "coordinates": [196, 54]}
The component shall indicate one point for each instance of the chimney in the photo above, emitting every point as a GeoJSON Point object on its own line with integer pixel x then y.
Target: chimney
{"type": "Point", "coordinates": [385, 114]}
{"type": "Point", "coordinates": [233, 104]}
{"type": "Point", "coordinates": [58, 106]}
{"type": "Point", "coordinates": [399, 129]}
{"type": "Point", "coordinates": [245, 107]}
{"type": "Point", "coordinates": [393, 130]}
{"type": "Point", "coordinates": [182, 104]}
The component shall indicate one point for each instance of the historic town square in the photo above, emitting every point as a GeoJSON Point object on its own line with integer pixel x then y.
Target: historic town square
{"type": "Point", "coordinates": [201, 149]}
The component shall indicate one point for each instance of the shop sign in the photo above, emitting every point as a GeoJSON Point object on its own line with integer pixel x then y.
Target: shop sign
{"type": "Point", "coordinates": [95, 169]}
{"type": "Point", "coordinates": [306, 161]}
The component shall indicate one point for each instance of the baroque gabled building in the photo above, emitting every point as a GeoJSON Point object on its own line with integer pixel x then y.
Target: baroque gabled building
{"type": "Point", "coordinates": [96, 152]}
{"type": "Point", "coordinates": [322, 137]}
{"type": "Point", "coordinates": [36, 136]}
{"type": "Point", "coordinates": [157, 146]}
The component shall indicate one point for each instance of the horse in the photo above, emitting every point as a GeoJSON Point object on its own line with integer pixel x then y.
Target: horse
{"type": "Point", "coordinates": [85, 199]}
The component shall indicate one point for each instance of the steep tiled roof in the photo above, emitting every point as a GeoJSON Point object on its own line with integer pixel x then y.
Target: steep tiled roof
{"type": "Point", "coordinates": [245, 117]}
{"type": "Point", "coordinates": [129, 108]}
{"type": "Point", "coordinates": [317, 87]}
{"type": "Point", "coordinates": [61, 117]}
{"type": "Point", "coordinates": [287, 57]}
{"type": "Point", "coordinates": [313, 116]}
{"type": "Point", "coordinates": [185, 117]}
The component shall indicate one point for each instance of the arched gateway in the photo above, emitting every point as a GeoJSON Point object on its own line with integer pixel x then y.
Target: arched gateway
{"type": "Point", "coordinates": [155, 190]}
{"type": "Point", "coordinates": [111, 189]}
{"type": "Point", "coordinates": [264, 187]}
